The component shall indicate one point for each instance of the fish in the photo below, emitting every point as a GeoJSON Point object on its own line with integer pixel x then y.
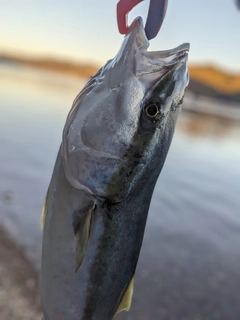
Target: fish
{"type": "Point", "coordinates": [114, 144]}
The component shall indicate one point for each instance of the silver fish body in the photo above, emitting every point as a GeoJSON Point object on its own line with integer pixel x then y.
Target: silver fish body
{"type": "Point", "coordinates": [115, 142]}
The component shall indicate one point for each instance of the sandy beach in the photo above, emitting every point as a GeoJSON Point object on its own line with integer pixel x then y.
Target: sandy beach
{"type": "Point", "coordinates": [19, 283]}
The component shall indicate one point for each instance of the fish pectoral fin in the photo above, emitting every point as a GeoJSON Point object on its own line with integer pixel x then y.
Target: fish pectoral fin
{"type": "Point", "coordinates": [81, 220]}
{"type": "Point", "coordinates": [126, 301]}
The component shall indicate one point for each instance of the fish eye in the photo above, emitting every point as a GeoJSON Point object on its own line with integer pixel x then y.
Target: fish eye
{"type": "Point", "coordinates": [152, 110]}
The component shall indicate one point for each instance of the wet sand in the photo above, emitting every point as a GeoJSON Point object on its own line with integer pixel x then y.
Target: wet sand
{"type": "Point", "coordinates": [177, 278]}
{"type": "Point", "coordinates": [19, 283]}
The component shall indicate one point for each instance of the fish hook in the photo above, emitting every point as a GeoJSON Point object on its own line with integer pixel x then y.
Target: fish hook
{"type": "Point", "coordinates": [156, 13]}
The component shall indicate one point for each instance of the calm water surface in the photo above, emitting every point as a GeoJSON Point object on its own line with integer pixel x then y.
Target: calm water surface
{"type": "Point", "coordinates": [189, 268]}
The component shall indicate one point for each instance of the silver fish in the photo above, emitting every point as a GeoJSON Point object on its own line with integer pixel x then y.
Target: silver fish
{"type": "Point", "coordinates": [114, 145]}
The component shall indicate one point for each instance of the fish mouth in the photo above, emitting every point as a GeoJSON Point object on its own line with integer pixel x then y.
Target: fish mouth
{"type": "Point", "coordinates": [173, 56]}
{"type": "Point", "coordinates": [155, 64]}
{"type": "Point", "coordinates": [149, 62]}
{"type": "Point", "coordinates": [155, 61]}
{"type": "Point", "coordinates": [179, 51]}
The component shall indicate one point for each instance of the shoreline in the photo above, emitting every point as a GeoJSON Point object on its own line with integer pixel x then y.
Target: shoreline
{"type": "Point", "coordinates": [207, 81]}
{"type": "Point", "coordinates": [19, 282]}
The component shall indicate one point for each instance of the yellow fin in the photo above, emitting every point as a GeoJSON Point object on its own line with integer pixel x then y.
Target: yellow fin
{"type": "Point", "coordinates": [44, 211]}
{"type": "Point", "coordinates": [126, 301]}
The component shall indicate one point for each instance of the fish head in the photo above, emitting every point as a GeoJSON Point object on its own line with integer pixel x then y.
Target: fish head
{"type": "Point", "coordinates": [121, 124]}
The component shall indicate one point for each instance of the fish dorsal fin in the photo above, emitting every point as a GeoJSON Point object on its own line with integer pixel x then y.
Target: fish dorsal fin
{"type": "Point", "coordinates": [81, 221]}
{"type": "Point", "coordinates": [126, 301]}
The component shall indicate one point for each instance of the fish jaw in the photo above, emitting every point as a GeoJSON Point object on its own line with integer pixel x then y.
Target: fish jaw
{"type": "Point", "coordinates": [102, 138]}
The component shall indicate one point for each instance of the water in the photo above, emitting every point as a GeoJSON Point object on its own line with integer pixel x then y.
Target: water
{"type": "Point", "coordinates": [189, 267]}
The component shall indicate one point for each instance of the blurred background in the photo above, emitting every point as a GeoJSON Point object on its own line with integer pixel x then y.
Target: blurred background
{"type": "Point", "coordinates": [189, 267]}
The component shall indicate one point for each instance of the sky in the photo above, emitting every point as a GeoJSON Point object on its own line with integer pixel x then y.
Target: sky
{"type": "Point", "coordinates": [87, 30]}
